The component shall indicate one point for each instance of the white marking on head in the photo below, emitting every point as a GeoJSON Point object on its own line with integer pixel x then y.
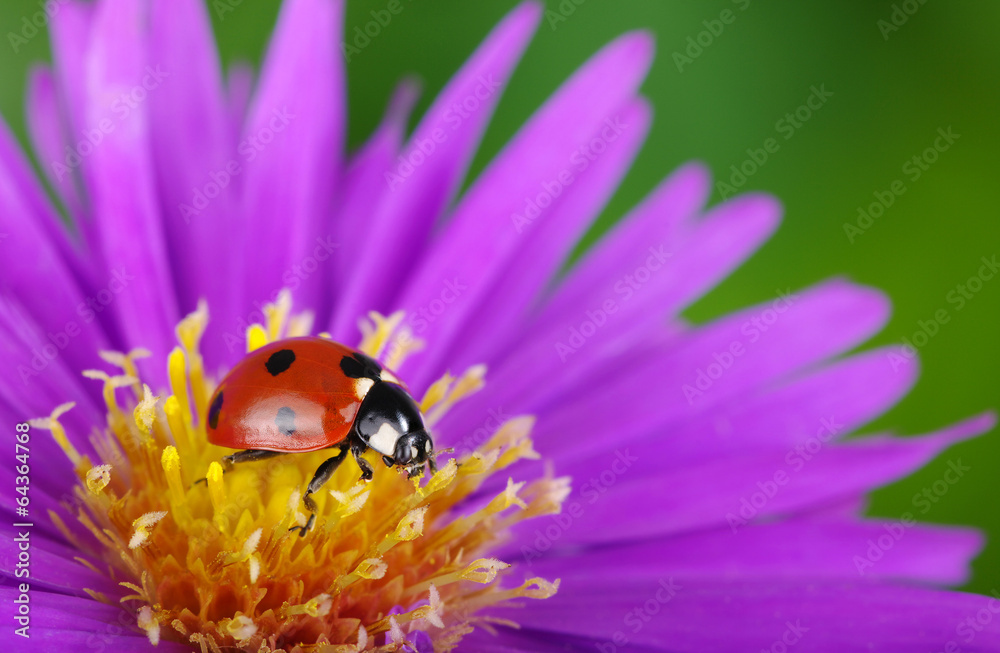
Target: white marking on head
{"type": "Point", "coordinates": [413, 452]}
{"type": "Point", "coordinates": [362, 386]}
{"type": "Point", "coordinates": [386, 375]}
{"type": "Point", "coordinates": [384, 440]}
{"type": "Point", "coordinates": [427, 446]}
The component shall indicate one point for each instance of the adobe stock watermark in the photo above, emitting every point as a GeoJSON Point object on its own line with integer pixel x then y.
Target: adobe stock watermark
{"type": "Point", "coordinates": [223, 7]}
{"type": "Point", "coordinates": [795, 461]}
{"type": "Point", "coordinates": [636, 619]}
{"type": "Point", "coordinates": [292, 277]}
{"type": "Point", "coordinates": [913, 168]}
{"type": "Point", "coordinates": [35, 24]}
{"type": "Point", "coordinates": [751, 331]}
{"type": "Point", "coordinates": [959, 297]}
{"type": "Point", "coordinates": [495, 418]}
{"type": "Point", "coordinates": [791, 636]}
{"type": "Point", "coordinates": [120, 109]}
{"type": "Point", "coordinates": [697, 44]}
{"type": "Point", "coordinates": [420, 150]}
{"type": "Point", "coordinates": [249, 149]}
{"type": "Point", "coordinates": [900, 13]}
{"type": "Point", "coordinates": [419, 319]}
{"type": "Point", "coordinates": [424, 316]}
{"type": "Point", "coordinates": [625, 288]}
{"type": "Point", "coordinates": [973, 624]}
{"type": "Point", "coordinates": [362, 36]}
{"type": "Point", "coordinates": [923, 501]}
{"type": "Point", "coordinates": [86, 311]}
{"type": "Point", "coordinates": [786, 126]}
{"type": "Point", "coordinates": [579, 160]}
{"type": "Point", "coordinates": [562, 12]}
{"type": "Point", "coordinates": [592, 491]}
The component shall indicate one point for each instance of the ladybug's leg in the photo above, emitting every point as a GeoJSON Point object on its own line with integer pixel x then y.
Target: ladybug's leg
{"type": "Point", "coordinates": [322, 475]}
{"type": "Point", "coordinates": [246, 456]}
{"type": "Point", "coordinates": [357, 449]}
{"type": "Point", "coordinates": [250, 455]}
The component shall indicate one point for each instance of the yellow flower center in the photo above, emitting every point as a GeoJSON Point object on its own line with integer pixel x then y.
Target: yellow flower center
{"type": "Point", "coordinates": [215, 565]}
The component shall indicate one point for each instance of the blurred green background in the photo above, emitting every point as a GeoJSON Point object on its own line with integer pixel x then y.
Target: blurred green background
{"type": "Point", "coordinates": [892, 89]}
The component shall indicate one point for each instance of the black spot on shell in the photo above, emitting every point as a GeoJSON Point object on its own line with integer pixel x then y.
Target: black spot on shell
{"type": "Point", "coordinates": [358, 366]}
{"type": "Point", "coordinates": [280, 361]}
{"type": "Point", "coordinates": [285, 420]}
{"type": "Point", "coordinates": [213, 411]}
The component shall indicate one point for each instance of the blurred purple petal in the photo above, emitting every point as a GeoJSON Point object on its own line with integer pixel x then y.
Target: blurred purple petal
{"type": "Point", "coordinates": [121, 83]}
{"type": "Point", "coordinates": [429, 171]}
{"type": "Point", "coordinates": [194, 155]}
{"type": "Point", "coordinates": [291, 148]}
{"type": "Point", "coordinates": [708, 616]}
{"type": "Point", "coordinates": [480, 238]}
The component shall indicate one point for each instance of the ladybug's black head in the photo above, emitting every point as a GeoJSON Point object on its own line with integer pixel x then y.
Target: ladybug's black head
{"type": "Point", "coordinates": [389, 422]}
{"type": "Point", "coordinates": [414, 449]}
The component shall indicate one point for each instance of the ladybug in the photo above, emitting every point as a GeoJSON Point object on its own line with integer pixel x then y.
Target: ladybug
{"type": "Point", "coordinates": [306, 394]}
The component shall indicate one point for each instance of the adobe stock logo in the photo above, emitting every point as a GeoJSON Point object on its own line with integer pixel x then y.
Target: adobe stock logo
{"type": "Point", "coordinates": [625, 289]}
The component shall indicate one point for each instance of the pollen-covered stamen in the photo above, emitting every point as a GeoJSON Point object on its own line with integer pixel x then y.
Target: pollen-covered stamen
{"type": "Point", "coordinates": [470, 382]}
{"type": "Point", "coordinates": [388, 339]}
{"type": "Point", "coordinates": [98, 478]}
{"type": "Point", "coordinates": [111, 384]}
{"type": "Point", "coordinates": [149, 623]}
{"type": "Point", "coordinates": [376, 331]}
{"type": "Point", "coordinates": [214, 565]}
{"type": "Point", "coordinates": [142, 527]}
{"type": "Point", "coordinates": [51, 423]}
{"type": "Point", "coordinates": [145, 411]}
{"type": "Point", "coordinates": [127, 364]}
{"type": "Point", "coordinates": [189, 333]}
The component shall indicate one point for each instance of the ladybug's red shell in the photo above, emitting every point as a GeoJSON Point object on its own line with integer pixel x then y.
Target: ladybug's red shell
{"type": "Point", "coordinates": [300, 394]}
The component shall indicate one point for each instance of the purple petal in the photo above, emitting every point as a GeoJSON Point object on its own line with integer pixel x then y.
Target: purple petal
{"type": "Point", "coordinates": [71, 36]}
{"type": "Point", "coordinates": [62, 612]}
{"type": "Point", "coordinates": [503, 311]}
{"type": "Point", "coordinates": [41, 376]}
{"type": "Point", "coordinates": [120, 88]}
{"type": "Point", "coordinates": [531, 640]}
{"type": "Point", "coordinates": [616, 318]}
{"type": "Point", "coordinates": [68, 623]}
{"type": "Point", "coordinates": [654, 283]}
{"type": "Point", "coordinates": [819, 323]}
{"type": "Point", "coordinates": [239, 86]}
{"type": "Point", "coordinates": [664, 216]}
{"type": "Point", "coordinates": [45, 126]}
{"type": "Point", "coordinates": [657, 219]}
{"type": "Point", "coordinates": [52, 566]}
{"type": "Point", "coordinates": [42, 280]}
{"type": "Point", "coordinates": [71, 29]}
{"type": "Point", "coordinates": [480, 239]}
{"type": "Point", "coordinates": [575, 405]}
{"type": "Point", "coordinates": [364, 185]}
{"type": "Point", "coordinates": [193, 146]}
{"type": "Point", "coordinates": [795, 549]}
{"type": "Point", "coordinates": [291, 151]}
{"type": "Point", "coordinates": [851, 393]}
{"type": "Point", "coordinates": [50, 640]}
{"type": "Point", "coordinates": [682, 614]}
{"type": "Point", "coordinates": [416, 192]}
{"type": "Point", "coordinates": [633, 492]}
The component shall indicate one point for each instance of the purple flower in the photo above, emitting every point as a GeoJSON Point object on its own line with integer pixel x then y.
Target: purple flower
{"type": "Point", "coordinates": [715, 503]}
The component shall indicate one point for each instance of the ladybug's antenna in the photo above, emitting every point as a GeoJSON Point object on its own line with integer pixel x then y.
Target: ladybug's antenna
{"type": "Point", "coordinates": [432, 459]}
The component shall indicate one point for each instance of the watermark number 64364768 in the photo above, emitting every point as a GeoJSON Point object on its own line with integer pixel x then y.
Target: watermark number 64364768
{"type": "Point", "coordinates": [22, 568]}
